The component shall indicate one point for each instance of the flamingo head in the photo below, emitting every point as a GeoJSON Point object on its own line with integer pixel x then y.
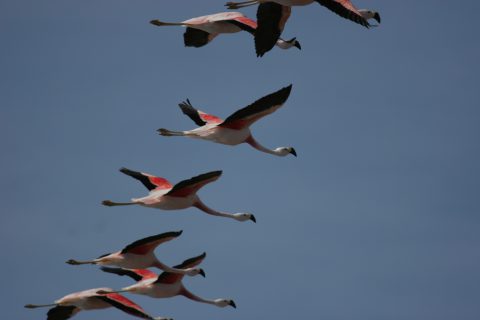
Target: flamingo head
{"type": "Point", "coordinates": [284, 151]}
{"type": "Point", "coordinates": [195, 271]}
{"type": "Point", "coordinates": [222, 303]}
{"type": "Point", "coordinates": [370, 14]}
{"type": "Point", "coordinates": [244, 217]}
{"type": "Point", "coordinates": [287, 44]}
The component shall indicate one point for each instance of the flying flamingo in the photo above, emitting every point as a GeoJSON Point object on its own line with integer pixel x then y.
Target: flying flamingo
{"type": "Point", "coordinates": [140, 255]}
{"type": "Point", "coordinates": [273, 14]}
{"type": "Point", "coordinates": [236, 128]}
{"type": "Point", "coordinates": [163, 195]}
{"type": "Point", "coordinates": [201, 30]}
{"type": "Point", "coordinates": [66, 307]}
{"type": "Point", "coordinates": [165, 285]}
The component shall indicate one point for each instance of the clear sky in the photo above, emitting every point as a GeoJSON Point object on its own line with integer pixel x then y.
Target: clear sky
{"type": "Point", "coordinates": [377, 218]}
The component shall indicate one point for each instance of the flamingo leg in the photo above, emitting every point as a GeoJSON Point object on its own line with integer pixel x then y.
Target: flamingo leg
{"type": "Point", "coordinates": [161, 23]}
{"type": "Point", "coordinates": [109, 203]}
{"type": "Point", "coordinates": [113, 291]}
{"type": "Point", "coordinates": [33, 306]}
{"type": "Point", "coordinates": [169, 133]}
{"type": "Point", "coordinates": [77, 263]}
{"type": "Point", "coordinates": [236, 5]}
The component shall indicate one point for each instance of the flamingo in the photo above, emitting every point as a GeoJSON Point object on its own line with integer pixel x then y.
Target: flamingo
{"type": "Point", "coordinates": [201, 30]}
{"type": "Point", "coordinates": [140, 255]}
{"type": "Point", "coordinates": [163, 195]}
{"type": "Point", "coordinates": [165, 285]}
{"type": "Point", "coordinates": [69, 305]}
{"type": "Point", "coordinates": [235, 128]}
{"type": "Point", "coordinates": [273, 14]}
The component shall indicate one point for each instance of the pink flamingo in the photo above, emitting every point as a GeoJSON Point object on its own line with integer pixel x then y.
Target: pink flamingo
{"type": "Point", "coordinates": [236, 128]}
{"type": "Point", "coordinates": [201, 30]}
{"type": "Point", "coordinates": [163, 195]}
{"type": "Point", "coordinates": [66, 307]}
{"type": "Point", "coordinates": [273, 14]}
{"type": "Point", "coordinates": [165, 285]}
{"type": "Point", "coordinates": [140, 255]}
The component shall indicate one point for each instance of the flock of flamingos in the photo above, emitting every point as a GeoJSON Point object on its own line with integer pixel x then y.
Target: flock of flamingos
{"type": "Point", "coordinates": [134, 259]}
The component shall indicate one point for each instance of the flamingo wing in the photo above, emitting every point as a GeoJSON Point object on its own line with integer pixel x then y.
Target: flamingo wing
{"type": "Point", "coordinates": [149, 181]}
{"type": "Point", "coordinates": [190, 186]}
{"type": "Point", "coordinates": [135, 274]}
{"type": "Point", "coordinates": [271, 19]}
{"type": "Point", "coordinates": [62, 312]}
{"type": "Point", "coordinates": [120, 302]}
{"type": "Point", "coordinates": [244, 23]}
{"type": "Point", "coordinates": [149, 244]}
{"type": "Point", "coordinates": [199, 117]}
{"type": "Point", "coordinates": [169, 277]}
{"type": "Point", "coordinates": [260, 108]}
{"type": "Point", "coordinates": [196, 38]}
{"type": "Point", "coordinates": [345, 9]}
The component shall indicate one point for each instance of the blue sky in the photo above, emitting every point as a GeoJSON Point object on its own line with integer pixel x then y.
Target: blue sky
{"type": "Point", "coordinates": [378, 217]}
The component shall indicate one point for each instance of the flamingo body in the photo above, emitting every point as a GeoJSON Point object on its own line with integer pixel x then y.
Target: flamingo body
{"type": "Point", "coordinates": [272, 16]}
{"type": "Point", "coordinates": [69, 305]}
{"type": "Point", "coordinates": [235, 129]}
{"type": "Point", "coordinates": [167, 284]}
{"type": "Point", "coordinates": [140, 255]}
{"type": "Point", "coordinates": [202, 30]}
{"type": "Point", "coordinates": [163, 195]}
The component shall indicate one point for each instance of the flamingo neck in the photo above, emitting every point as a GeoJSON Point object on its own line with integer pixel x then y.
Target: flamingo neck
{"type": "Point", "coordinates": [166, 268]}
{"type": "Point", "coordinates": [187, 294]}
{"type": "Point", "coordinates": [251, 141]}
{"type": "Point", "coordinates": [202, 206]}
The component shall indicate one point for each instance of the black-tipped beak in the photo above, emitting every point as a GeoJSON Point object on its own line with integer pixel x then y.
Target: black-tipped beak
{"type": "Point", "coordinates": [253, 218]}
{"type": "Point", "coordinates": [376, 16]}
{"type": "Point", "coordinates": [202, 273]}
{"type": "Point", "coordinates": [233, 304]}
{"type": "Point", "coordinates": [293, 152]}
{"type": "Point", "coordinates": [297, 44]}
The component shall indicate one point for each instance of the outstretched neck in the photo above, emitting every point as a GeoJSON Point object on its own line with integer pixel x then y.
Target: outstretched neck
{"type": "Point", "coordinates": [202, 206]}
{"type": "Point", "coordinates": [166, 268]}
{"type": "Point", "coordinates": [187, 294]}
{"type": "Point", "coordinates": [251, 141]}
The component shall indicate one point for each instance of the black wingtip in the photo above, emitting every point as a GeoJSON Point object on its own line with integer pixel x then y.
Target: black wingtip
{"type": "Point", "coordinates": [125, 170]}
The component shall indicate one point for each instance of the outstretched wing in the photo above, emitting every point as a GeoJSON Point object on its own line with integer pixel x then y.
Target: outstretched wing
{"type": "Point", "coordinates": [260, 108]}
{"type": "Point", "coordinates": [149, 181]}
{"type": "Point", "coordinates": [62, 312]}
{"type": "Point", "coordinates": [271, 19]}
{"type": "Point", "coordinates": [199, 117]}
{"type": "Point", "coordinates": [148, 244]}
{"type": "Point", "coordinates": [120, 302]}
{"type": "Point", "coordinates": [135, 274]}
{"type": "Point", "coordinates": [192, 185]}
{"type": "Point", "coordinates": [169, 277]}
{"type": "Point", "coordinates": [244, 23]}
{"type": "Point", "coordinates": [196, 38]}
{"type": "Point", "coordinates": [345, 9]}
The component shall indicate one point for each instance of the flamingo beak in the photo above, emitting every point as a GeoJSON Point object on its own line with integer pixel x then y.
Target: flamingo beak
{"type": "Point", "coordinates": [293, 152]}
{"type": "Point", "coordinates": [376, 16]}
{"type": "Point", "coordinates": [202, 273]}
{"type": "Point", "coordinates": [297, 44]}
{"type": "Point", "coordinates": [233, 304]}
{"type": "Point", "coordinates": [253, 218]}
